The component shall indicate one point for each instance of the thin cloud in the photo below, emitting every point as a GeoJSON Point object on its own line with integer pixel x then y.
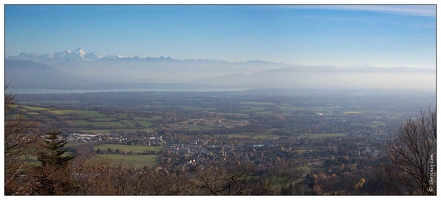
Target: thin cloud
{"type": "Point", "coordinates": [403, 9]}
{"type": "Point", "coordinates": [417, 10]}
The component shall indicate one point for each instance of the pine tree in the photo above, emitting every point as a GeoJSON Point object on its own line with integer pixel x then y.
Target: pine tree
{"type": "Point", "coordinates": [53, 176]}
{"type": "Point", "coordinates": [52, 153]}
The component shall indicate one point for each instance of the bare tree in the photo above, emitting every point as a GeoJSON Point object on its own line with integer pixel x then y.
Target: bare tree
{"type": "Point", "coordinates": [25, 149]}
{"type": "Point", "coordinates": [21, 137]}
{"type": "Point", "coordinates": [230, 178]}
{"type": "Point", "coordinates": [410, 168]}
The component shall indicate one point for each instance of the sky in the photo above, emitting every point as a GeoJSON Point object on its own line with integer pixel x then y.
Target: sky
{"type": "Point", "coordinates": [338, 35]}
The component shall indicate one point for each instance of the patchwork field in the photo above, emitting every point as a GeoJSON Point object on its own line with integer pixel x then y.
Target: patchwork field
{"type": "Point", "coordinates": [133, 148]}
{"type": "Point", "coordinates": [89, 121]}
{"type": "Point", "coordinates": [322, 135]}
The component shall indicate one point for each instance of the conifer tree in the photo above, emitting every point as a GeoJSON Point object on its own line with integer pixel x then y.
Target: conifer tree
{"type": "Point", "coordinates": [53, 176]}
{"type": "Point", "coordinates": [52, 153]}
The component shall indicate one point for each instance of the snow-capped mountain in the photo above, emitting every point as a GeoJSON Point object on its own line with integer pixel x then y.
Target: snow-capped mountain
{"type": "Point", "coordinates": [76, 55]}
{"type": "Point", "coordinates": [23, 55]}
{"type": "Point", "coordinates": [67, 55]}
{"type": "Point", "coordinates": [91, 56]}
{"type": "Point", "coordinates": [110, 57]}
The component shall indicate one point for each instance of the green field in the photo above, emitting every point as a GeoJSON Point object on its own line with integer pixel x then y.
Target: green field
{"type": "Point", "coordinates": [157, 118]}
{"type": "Point", "coordinates": [257, 108]}
{"type": "Point", "coordinates": [105, 119]}
{"type": "Point", "coordinates": [239, 135]}
{"type": "Point", "coordinates": [257, 103]}
{"type": "Point", "coordinates": [83, 123]}
{"type": "Point", "coordinates": [305, 169]}
{"type": "Point", "coordinates": [322, 135]}
{"type": "Point", "coordinates": [129, 123]}
{"type": "Point", "coordinates": [133, 160]}
{"type": "Point", "coordinates": [351, 112]}
{"type": "Point", "coordinates": [133, 148]}
{"type": "Point", "coordinates": [271, 130]}
{"type": "Point", "coordinates": [376, 124]}
{"type": "Point", "coordinates": [93, 121]}
{"type": "Point", "coordinates": [145, 123]}
{"type": "Point", "coordinates": [107, 130]}
{"type": "Point", "coordinates": [33, 108]}
{"type": "Point", "coordinates": [197, 128]}
{"type": "Point", "coordinates": [85, 113]}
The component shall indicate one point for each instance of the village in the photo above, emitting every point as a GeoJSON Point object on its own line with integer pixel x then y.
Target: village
{"type": "Point", "coordinates": [356, 150]}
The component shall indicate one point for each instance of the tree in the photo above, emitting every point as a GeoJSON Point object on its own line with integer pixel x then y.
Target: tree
{"type": "Point", "coordinates": [53, 176]}
{"type": "Point", "coordinates": [21, 137]}
{"type": "Point", "coordinates": [410, 167]}
{"type": "Point", "coordinates": [52, 153]}
{"type": "Point", "coordinates": [223, 178]}
{"type": "Point", "coordinates": [24, 140]}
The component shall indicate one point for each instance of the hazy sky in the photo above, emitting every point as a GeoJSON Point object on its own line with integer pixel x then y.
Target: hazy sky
{"type": "Point", "coordinates": [382, 36]}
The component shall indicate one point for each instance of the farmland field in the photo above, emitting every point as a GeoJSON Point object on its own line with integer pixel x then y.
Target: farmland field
{"type": "Point", "coordinates": [86, 113]}
{"type": "Point", "coordinates": [133, 148]}
{"type": "Point", "coordinates": [133, 160]}
{"type": "Point", "coordinates": [184, 118]}
{"type": "Point", "coordinates": [323, 135]}
{"type": "Point", "coordinates": [257, 103]}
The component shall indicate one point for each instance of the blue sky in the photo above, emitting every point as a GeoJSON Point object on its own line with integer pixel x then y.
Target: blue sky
{"type": "Point", "coordinates": [382, 36]}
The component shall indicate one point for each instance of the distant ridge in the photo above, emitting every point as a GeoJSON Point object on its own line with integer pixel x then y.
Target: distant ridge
{"type": "Point", "coordinates": [79, 69]}
{"type": "Point", "coordinates": [29, 74]}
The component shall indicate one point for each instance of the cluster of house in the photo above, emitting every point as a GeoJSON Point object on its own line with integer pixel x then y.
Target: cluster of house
{"type": "Point", "coordinates": [114, 138]}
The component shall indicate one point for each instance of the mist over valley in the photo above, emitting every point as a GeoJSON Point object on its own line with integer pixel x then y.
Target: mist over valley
{"type": "Point", "coordinates": [80, 70]}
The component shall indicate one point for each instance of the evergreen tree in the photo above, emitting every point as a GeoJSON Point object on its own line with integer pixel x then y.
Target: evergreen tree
{"type": "Point", "coordinates": [52, 153]}
{"type": "Point", "coordinates": [53, 176]}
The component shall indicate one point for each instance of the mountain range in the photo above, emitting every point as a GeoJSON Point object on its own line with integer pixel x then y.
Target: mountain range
{"type": "Point", "coordinates": [83, 70]}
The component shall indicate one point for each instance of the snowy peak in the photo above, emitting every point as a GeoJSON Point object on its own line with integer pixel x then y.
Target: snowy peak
{"type": "Point", "coordinates": [67, 55]}
{"type": "Point", "coordinates": [23, 55]}
{"type": "Point", "coordinates": [91, 56]}
{"type": "Point", "coordinates": [76, 55]}
{"type": "Point", "coordinates": [112, 57]}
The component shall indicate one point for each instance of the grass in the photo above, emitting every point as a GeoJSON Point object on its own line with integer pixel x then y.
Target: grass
{"type": "Point", "coordinates": [82, 123]}
{"type": "Point", "coordinates": [271, 130]}
{"type": "Point", "coordinates": [234, 114]}
{"type": "Point", "coordinates": [133, 160]}
{"type": "Point", "coordinates": [148, 130]}
{"type": "Point", "coordinates": [106, 119]}
{"type": "Point", "coordinates": [351, 112]}
{"type": "Point", "coordinates": [33, 108]}
{"type": "Point", "coordinates": [197, 128]}
{"type": "Point", "coordinates": [86, 113]}
{"type": "Point", "coordinates": [378, 123]}
{"type": "Point", "coordinates": [157, 118]}
{"type": "Point", "coordinates": [322, 135]}
{"type": "Point", "coordinates": [257, 108]}
{"type": "Point", "coordinates": [239, 135]}
{"type": "Point", "coordinates": [129, 123]}
{"type": "Point", "coordinates": [266, 134]}
{"type": "Point", "coordinates": [108, 130]}
{"type": "Point", "coordinates": [145, 124]}
{"type": "Point", "coordinates": [375, 124]}
{"type": "Point", "coordinates": [32, 113]}
{"type": "Point", "coordinates": [257, 103]}
{"type": "Point", "coordinates": [305, 169]}
{"type": "Point", "coordinates": [127, 148]}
